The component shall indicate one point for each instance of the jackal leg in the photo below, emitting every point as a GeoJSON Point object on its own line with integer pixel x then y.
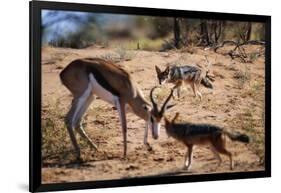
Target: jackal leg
{"type": "Point", "coordinates": [188, 157]}
{"type": "Point", "coordinates": [178, 87]}
{"type": "Point", "coordinates": [193, 89]}
{"type": "Point", "coordinates": [197, 85]}
{"type": "Point", "coordinates": [179, 91]}
{"type": "Point", "coordinates": [225, 152]}
{"type": "Point", "coordinates": [220, 147]}
{"type": "Point", "coordinates": [216, 154]}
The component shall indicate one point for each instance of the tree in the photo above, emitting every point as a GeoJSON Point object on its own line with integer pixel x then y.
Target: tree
{"type": "Point", "coordinates": [245, 32]}
{"type": "Point", "coordinates": [210, 32]}
{"type": "Point", "coordinates": [204, 34]}
{"type": "Point", "coordinates": [177, 32]}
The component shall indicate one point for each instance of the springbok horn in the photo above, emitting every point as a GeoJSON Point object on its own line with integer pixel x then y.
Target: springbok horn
{"type": "Point", "coordinates": [152, 99]}
{"type": "Point", "coordinates": [166, 102]}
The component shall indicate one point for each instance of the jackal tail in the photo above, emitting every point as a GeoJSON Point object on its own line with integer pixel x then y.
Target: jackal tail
{"type": "Point", "coordinates": [205, 82]}
{"type": "Point", "coordinates": [238, 137]}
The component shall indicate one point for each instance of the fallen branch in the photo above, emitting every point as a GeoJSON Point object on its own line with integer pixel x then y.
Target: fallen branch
{"type": "Point", "coordinates": [238, 51]}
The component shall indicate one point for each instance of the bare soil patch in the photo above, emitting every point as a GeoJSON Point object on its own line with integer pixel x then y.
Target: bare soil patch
{"type": "Point", "coordinates": [236, 103]}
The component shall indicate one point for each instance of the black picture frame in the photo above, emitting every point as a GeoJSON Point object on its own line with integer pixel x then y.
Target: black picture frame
{"type": "Point", "coordinates": [35, 96]}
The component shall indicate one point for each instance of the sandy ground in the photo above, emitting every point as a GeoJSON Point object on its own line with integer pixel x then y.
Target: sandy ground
{"type": "Point", "coordinates": [229, 105]}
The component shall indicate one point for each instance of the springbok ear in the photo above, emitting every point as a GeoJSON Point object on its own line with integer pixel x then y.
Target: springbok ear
{"type": "Point", "coordinates": [170, 106]}
{"type": "Point", "coordinates": [157, 70]}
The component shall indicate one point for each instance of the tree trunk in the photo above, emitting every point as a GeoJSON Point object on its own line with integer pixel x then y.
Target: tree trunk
{"type": "Point", "coordinates": [248, 31]}
{"type": "Point", "coordinates": [177, 33]}
{"type": "Point", "coordinates": [204, 33]}
{"type": "Point", "coordinates": [245, 32]}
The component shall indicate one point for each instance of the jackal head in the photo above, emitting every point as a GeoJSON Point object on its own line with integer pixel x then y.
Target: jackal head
{"type": "Point", "coordinates": [162, 76]}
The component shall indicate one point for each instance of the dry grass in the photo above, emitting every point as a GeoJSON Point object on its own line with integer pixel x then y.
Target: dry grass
{"type": "Point", "coordinates": [246, 122]}
{"type": "Point", "coordinates": [124, 54]}
{"type": "Point", "coordinates": [54, 135]}
{"type": "Point", "coordinates": [251, 119]}
{"type": "Point", "coordinates": [56, 143]}
{"type": "Point", "coordinates": [242, 76]}
{"type": "Point", "coordinates": [119, 55]}
{"type": "Point", "coordinates": [113, 57]}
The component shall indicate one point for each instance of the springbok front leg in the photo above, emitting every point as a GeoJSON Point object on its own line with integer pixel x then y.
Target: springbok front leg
{"type": "Point", "coordinates": [145, 142]}
{"type": "Point", "coordinates": [146, 132]}
{"type": "Point", "coordinates": [120, 105]}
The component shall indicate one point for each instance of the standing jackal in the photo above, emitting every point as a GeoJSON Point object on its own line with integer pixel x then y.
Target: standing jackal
{"type": "Point", "coordinates": [202, 134]}
{"type": "Point", "coordinates": [178, 75]}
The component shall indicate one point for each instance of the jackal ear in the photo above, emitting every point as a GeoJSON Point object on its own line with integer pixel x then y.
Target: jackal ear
{"type": "Point", "coordinates": [167, 70]}
{"type": "Point", "coordinates": [157, 69]}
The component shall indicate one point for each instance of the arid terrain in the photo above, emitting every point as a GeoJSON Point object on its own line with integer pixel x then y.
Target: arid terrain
{"type": "Point", "coordinates": [235, 103]}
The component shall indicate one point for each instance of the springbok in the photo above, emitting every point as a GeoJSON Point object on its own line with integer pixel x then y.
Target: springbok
{"type": "Point", "coordinates": [88, 77]}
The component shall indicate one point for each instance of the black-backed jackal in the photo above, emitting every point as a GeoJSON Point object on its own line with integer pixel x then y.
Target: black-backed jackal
{"type": "Point", "coordinates": [202, 134]}
{"type": "Point", "coordinates": [178, 75]}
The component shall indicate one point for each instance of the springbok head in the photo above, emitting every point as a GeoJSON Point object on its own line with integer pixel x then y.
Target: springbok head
{"type": "Point", "coordinates": [156, 114]}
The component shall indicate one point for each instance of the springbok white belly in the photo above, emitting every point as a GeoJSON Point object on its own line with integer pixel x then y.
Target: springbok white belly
{"type": "Point", "coordinates": [101, 92]}
{"type": "Point", "coordinates": [105, 95]}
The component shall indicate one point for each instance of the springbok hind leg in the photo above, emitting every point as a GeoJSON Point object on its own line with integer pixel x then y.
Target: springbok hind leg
{"type": "Point", "coordinates": [70, 127]}
{"type": "Point", "coordinates": [72, 117]}
{"type": "Point", "coordinates": [79, 126]}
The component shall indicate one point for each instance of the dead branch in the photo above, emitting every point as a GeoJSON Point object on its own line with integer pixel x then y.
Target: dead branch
{"type": "Point", "coordinates": [238, 51]}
